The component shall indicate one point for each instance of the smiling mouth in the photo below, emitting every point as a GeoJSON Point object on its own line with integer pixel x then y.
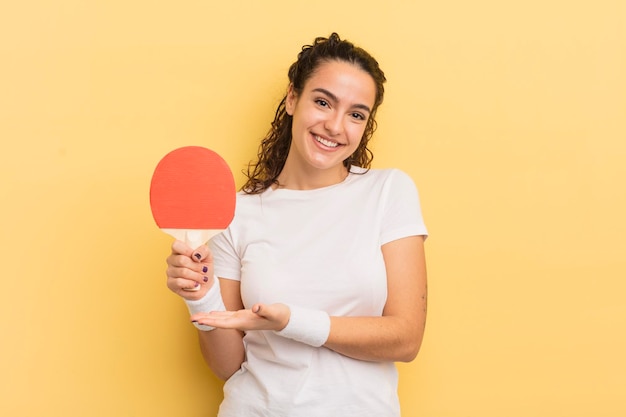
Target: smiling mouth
{"type": "Point", "coordinates": [326, 142]}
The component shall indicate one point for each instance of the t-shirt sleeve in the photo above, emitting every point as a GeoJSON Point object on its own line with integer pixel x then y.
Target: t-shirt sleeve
{"type": "Point", "coordinates": [402, 213]}
{"type": "Point", "coordinates": [226, 261]}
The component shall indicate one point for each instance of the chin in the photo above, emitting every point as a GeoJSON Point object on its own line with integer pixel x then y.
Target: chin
{"type": "Point", "coordinates": [326, 164]}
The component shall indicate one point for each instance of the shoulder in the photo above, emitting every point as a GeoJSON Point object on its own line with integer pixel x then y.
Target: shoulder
{"type": "Point", "coordinates": [247, 201]}
{"type": "Point", "coordinates": [390, 176]}
{"type": "Point", "coordinates": [377, 172]}
{"type": "Point", "coordinates": [248, 197]}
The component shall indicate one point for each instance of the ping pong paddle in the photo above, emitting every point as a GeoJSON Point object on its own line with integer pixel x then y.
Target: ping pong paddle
{"type": "Point", "coordinates": [192, 194]}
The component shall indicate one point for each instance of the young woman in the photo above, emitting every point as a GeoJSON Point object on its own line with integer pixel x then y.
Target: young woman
{"type": "Point", "coordinates": [322, 277]}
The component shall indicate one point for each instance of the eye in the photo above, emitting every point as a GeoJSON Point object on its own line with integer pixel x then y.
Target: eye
{"type": "Point", "coordinates": [321, 102]}
{"type": "Point", "coordinates": [358, 116]}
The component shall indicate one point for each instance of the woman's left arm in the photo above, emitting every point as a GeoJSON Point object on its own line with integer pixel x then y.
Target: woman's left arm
{"type": "Point", "coordinates": [397, 335]}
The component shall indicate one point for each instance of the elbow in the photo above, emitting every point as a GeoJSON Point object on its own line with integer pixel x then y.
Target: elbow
{"type": "Point", "coordinates": [222, 370]}
{"type": "Point", "coordinates": [408, 355]}
{"type": "Point", "coordinates": [223, 374]}
{"type": "Point", "coordinates": [411, 345]}
{"type": "Point", "coordinates": [409, 350]}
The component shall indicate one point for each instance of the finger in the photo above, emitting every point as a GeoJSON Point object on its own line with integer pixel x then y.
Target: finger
{"type": "Point", "coordinates": [186, 285]}
{"type": "Point", "coordinates": [267, 311]}
{"type": "Point", "coordinates": [222, 319]}
{"type": "Point", "coordinates": [276, 313]}
{"type": "Point", "coordinates": [181, 248]}
{"type": "Point", "coordinates": [186, 278]}
{"type": "Point", "coordinates": [202, 254]}
{"type": "Point", "coordinates": [181, 285]}
{"type": "Point", "coordinates": [176, 263]}
{"type": "Point", "coordinates": [193, 272]}
{"type": "Point", "coordinates": [208, 315]}
{"type": "Point", "coordinates": [179, 261]}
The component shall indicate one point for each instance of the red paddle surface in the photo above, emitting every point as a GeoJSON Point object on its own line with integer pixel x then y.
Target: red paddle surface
{"type": "Point", "coordinates": [192, 188]}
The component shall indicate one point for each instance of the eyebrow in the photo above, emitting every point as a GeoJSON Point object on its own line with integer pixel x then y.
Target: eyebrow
{"type": "Point", "coordinates": [336, 99]}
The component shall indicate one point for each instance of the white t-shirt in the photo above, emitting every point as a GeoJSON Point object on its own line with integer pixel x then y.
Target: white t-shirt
{"type": "Point", "coordinates": [317, 249]}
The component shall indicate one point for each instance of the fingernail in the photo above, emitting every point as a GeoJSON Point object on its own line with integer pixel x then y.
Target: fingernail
{"type": "Point", "coordinates": [205, 279]}
{"type": "Point", "coordinates": [197, 284]}
{"type": "Point", "coordinates": [198, 256]}
{"type": "Point", "coordinates": [204, 269]}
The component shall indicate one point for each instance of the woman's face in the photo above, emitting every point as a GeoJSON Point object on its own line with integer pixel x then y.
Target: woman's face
{"type": "Point", "coordinates": [330, 115]}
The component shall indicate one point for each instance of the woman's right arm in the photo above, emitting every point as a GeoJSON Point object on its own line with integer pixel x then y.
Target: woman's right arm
{"type": "Point", "coordinates": [222, 349]}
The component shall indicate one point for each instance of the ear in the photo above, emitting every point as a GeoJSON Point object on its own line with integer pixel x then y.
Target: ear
{"type": "Point", "coordinates": [290, 100]}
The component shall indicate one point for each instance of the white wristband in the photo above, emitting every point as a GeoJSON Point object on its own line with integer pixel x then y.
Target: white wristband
{"type": "Point", "coordinates": [308, 326]}
{"type": "Point", "coordinates": [212, 301]}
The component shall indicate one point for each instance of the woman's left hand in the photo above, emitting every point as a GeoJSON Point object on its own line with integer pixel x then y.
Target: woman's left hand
{"type": "Point", "coordinates": [259, 317]}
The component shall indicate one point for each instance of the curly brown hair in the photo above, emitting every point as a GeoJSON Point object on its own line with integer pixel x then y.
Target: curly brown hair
{"type": "Point", "coordinates": [273, 150]}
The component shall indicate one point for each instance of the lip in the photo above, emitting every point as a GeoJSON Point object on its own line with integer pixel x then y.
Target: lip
{"type": "Point", "coordinates": [325, 147]}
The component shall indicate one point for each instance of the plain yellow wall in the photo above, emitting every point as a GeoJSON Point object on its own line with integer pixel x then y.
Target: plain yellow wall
{"type": "Point", "coordinates": [509, 115]}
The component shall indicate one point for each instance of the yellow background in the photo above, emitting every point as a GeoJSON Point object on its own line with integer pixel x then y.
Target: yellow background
{"type": "Point", "coordinates": [509, 115]}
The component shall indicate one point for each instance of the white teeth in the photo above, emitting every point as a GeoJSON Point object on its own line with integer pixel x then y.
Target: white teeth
{"type": "Point", "coordinates": [326, 142]}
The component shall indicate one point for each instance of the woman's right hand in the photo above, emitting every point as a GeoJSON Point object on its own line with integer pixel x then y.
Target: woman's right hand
{"type": "Point", "coordinates": [188, 269]}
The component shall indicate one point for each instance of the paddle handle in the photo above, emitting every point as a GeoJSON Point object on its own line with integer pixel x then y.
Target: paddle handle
{"type": "Point", "coordinates": [194, 238]}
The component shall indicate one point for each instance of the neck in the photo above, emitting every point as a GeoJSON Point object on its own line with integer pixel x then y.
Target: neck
{"type": "Point", "coordinates": [310, 178]}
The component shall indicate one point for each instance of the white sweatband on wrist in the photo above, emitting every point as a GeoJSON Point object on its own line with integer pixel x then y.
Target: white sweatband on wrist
{"type": "Point", "coordinates": [212, 301]}
{"type": "Point", "coordinates": [308, 326]}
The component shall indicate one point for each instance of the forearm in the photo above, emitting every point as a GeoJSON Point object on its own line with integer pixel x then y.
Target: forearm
{"type": "Point", "coordinates": [398, 334]}
{"type": "Point", "coordinates": [223, 351]}
{"type": "Point", "coordinates": [376, 338]}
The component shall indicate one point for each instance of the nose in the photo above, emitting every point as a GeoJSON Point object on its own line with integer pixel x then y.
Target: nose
{"type": "Point", "coordinates": [334, 124]}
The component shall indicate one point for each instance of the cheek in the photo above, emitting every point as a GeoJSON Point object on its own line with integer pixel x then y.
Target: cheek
{"type": "Point", "coordinates": [306, 118]}
{"type": "Point", "coordinates": [356, 132]}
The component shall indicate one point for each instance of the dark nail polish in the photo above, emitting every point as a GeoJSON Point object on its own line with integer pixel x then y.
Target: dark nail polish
{"type": "Point", "coordinates": [198, 256]}
{"type": "Point", "coordinates": [205, 279]}
{"type": "Point", "coordinates": [204, 269]}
